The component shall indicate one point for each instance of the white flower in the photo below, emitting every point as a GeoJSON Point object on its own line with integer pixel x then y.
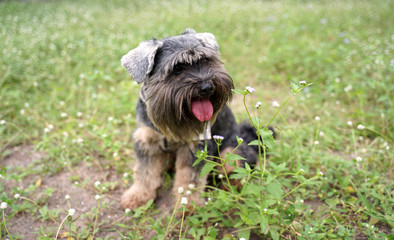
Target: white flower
{"type": "Point", "coordinates": [258, 104]}
{"type": "Point", "coordinates": [46, 130]}
{"type": "Point", "coordinates": [110, 119]}
{"type": "Point", "coordinates": [242, 239]}
{"type": "Point", "coordinates": [301, 201]}
{"type": "Point", "coordinates": [337, 80]}
{"type": "Point", "coordinates": [220, 176]}
{"type": "Point", "coordinates": [303, 82]}
{"type": "Point", "coordinates": [321, 174]}
{"type": "Point", "coordinates": [184, 201]}
{"type": "Point", "coordinates": [275, 104]}
{"type": "Point", "coordinates": [97, 197]}
{"type": "Point", "coordinates": [127, 210]}
{"type": "Point", "coordinates": [67, 197]}
{"type": "Point", "coordinates": [3, 205]}
{"type": "Point", "coordinates": [17, 196]}
{"type": "Point", "coordinates": [115, 154]}
{"type": "Point", "coordinates": [348, 88]}
{"type": "Point", "coordinates": [265, 210]}
{"type": "Point", "coordinates": [61, 103]}
{"type": "Point", "coordinates": [125, 175]}
{"type": "Point", "coordinates": [316, 142]}
{"type": "Point", "coordinates": [63, 115]}
{"type": "Point", "coordinates": [360, 127]}
{"type": "Point", "coordinates": [80, 125]}
{"type": "Point", "coordinates": [218, 137]}
{"type": "Point", "coordinates": [350, 123]}
{"type": "Point", "coordinates": [2, 122]}
{"type": "Point", "coordinates": [79, 114]}
{"type": "Point", "coordinates": [317, 118]}
{"type": "Point", "coordinates": [180, 190]}
{"type": "Point", "coordinates": [301, 171]}
{"type": "Point", "coordinates": [26, 104]}
{"type": "Point", "coordinates": [80, 140]}
{"type": "Point", "coordinates": [191, 186]}
{"type": "Point", "coordinates": [22, 111]}
{"type": "Point", "coordinates": [188, 192]}
{"type": "Point", "coordinates": [50, 126]}
{"type": "Point", "coordinates": [359, 159]}
{"type": "Point", "coordinates": [65, 134]}
{"type": "Point", "coordinates": [97, 183]}
{"type": "Point", "coordinates": [35, 84]}
{"type": "Point", "coordinates": [250, 89]}
{"type": "Point", "coordinates": [321, 134]}
{"type": "Point", "coordinates": [71, 212]}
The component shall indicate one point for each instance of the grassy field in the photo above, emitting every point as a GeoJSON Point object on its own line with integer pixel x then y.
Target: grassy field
{"type": "Point", "coordinates": [67, 115]}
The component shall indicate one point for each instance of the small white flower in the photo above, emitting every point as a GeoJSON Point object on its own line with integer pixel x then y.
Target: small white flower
{"type": "Point", "coordinates": [2, 122]}
{"type": "Point", "coordinates": [81, 75]}
{"type": "Point", "coordinates": [321, 174]}
{"type": "Point", "coordinates": [250, 89]}
{"type": "Point", "coordinates": [61, 103]}
{"type": "Point", "coordinates": [350, 123]}
{"type": "Point", "coordinates": [65, 134]}
{"type": "Point", "coordinates": [221, 176]}
{"type": "Point", "coordinates": [22, 111]}
{"type": "Point", "coordinates": [275, 104]}
{"type": "Point", "coordinates": [79, 114]}
{"type": "Point", "coordinates": [97, 183]}
{"type": "Point", "coordinates": [265, 210]}
{"type": "Point", "coordinates": [35, 84]}
{"type": "Point", "coordinates": [97, 197]}
{"type": "Point", "coordinates": [337, 80]}
{"type": "Point", "coordinates": [184, 201]}
{"type": "Point", "coordinates": [81, 125]}
{"type": "Point", "coordinates": [63, 115]}
{"type": "Point", "coordinates": [317, 118]}
{"type": "Point", "coordinates": [3, 205]}
{"type": "Point", "coordinates": [50, 126]}
{"type": "Point", "coordinates": [303, 82]}
{"type": "Point", "coordinates": [71, 212]}
{"type": "Point", "coordinates": [26, 104]}
{"type": "Point", "coordinates": [191, 186]}
{"type": "Point", "coordinates": [127, 210]}
{"type": "Point", "coordinates": [125, 175]}
{"type": "Point", "coordinates": [115, 154]}
{"type": "Point", "coordinates": [218, 137]}
{"type": "Point", "coordinates": [17, 196]}
{"type": "Point", "coordinates": [258, 104]}
{"type": "Point", "coordinates": [360, 127]}
{"type": "Point", "coordinates": [301, 171]}
{"type": "Point", "coordinates": [80, 140]}
{"type": "Point", "coordinates": [188, 192]}
{"type": "Point", "coordinates": [359, 159]}
{"type": "Point", "coordinates": [67, 197]}
{"type": "Point", "coordinates": [104, 135]}
{"type": "Point", "coordinates": [348, 88]}
{"type": "Point", "coordinates": [321, 134]}
{"type": "Point", "coordinates": [180, 190]}
{"type": "Point", "coordinates": [110, 119]}
{"type": "Point", "coordinates": [46, 130]}
{"type": "Point", "coordinates": [316, 142]}
{"type": "Point", "coordinates": [242, 239]}
{"type": "Point", "coordinates": [301, 201]}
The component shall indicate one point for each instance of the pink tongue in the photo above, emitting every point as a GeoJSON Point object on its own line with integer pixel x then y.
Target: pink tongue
{"type": "Point", "coordinates": [202, 109]}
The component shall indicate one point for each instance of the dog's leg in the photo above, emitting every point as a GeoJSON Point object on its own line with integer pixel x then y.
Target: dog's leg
{"type": "Point", "coordinates": [186, 174]}
{"type": "Point", "coordinates": [148, 169]}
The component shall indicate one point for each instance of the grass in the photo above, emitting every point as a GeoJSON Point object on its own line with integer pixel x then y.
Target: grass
{"type": "Point", "coordinates": [66, 101]}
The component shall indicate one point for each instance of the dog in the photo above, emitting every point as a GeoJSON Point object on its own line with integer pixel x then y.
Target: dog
{"type": "Point", "coordinates": [182, 104]}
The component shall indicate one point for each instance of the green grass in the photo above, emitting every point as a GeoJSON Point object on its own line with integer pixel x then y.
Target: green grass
{"type": "Point", "coordinates": [63, 92]}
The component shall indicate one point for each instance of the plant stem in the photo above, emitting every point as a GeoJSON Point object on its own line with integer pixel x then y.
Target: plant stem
{"type": "Point", "coordinates": [299, 186]}
{"type": "Point", "coordinates": [172, 216]}
{"type": "Point", "coordinates": [5, 225]}
{"type": "Point", "coordinates": [96, 218]}
{"type": "Point", "coordinates": [58, 230]}
{"type": "Point", "coordinates": [183, 216]}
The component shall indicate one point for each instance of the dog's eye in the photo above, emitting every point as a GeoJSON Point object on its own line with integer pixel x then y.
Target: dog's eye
{"type": "Point", "coordinates": [177, 69]}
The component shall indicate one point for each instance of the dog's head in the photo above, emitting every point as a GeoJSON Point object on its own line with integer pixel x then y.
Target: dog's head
{"type": "Point", "coordinates": [184, 82]}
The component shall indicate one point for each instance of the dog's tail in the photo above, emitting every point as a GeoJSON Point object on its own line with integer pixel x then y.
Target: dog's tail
{"type": "Point", "coordinates": [248, 133]}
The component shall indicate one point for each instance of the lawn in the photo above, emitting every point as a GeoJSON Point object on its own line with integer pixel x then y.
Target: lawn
{"type": "Point", "coordinates": [322, 70]}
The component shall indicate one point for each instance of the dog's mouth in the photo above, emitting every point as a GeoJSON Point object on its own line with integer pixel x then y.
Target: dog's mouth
{"type": "Point", "coordinates": [202, 109]}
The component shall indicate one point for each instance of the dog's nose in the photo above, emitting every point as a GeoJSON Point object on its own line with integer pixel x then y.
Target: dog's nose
{"type": "Point", "coordinates": [206, 89]}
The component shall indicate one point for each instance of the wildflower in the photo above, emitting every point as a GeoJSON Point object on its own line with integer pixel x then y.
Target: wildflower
{"type": "Point", "coordinates": [180, 190]}
{"type": "Point", "coordinates": [80, 125]}
{"type": "Point", "coordinates": [258, 104]}
{"type": "Point", "coordinates": [301, 171]}
{"type": "Point", "coordinates": [348, 88]}
{"type": "Point", "coordinates": [46, 130]}
{"type": "Point", "coordinates": [65, 134]}
{"type": "Point", "coordinates": [218, 137]}
{"type": "Point", "coordinates": [50, 126]}
{"type": "Point", "coordinates": [97, 183]}
{"type": "Point", "coordinates": [22, 111]}
{"type": "Point", "coordinates": [35, 84]}
{"type": "Point", "coordinates": [316, 142]}
{"type": "Point", "coordinates": [188, 192]}
{"type": "Point", "coordinates": [360, 127]}
{"type": "Point", "coordinates": [63, 115]}
{"type": "Point", "coordinates": [321, 174]}
{"type": "Point", "coordinates": [67, 197]}
{"type": "Point", "coordinates": [71, 212]}
{"type": "Point", "coordinates": [303, 82]}
{"type": "Point", "coordinates": [61, 103]}
{"type": "Point", "coordinates": [80, 140]}
{"type": "Point", "coordinates": [275, 104]}
{"type": "Point", "coordinates": [79, 114]}
{"type": "Point", "coordinates": [110, 119]}
{"type": "Point", "coordinates": [127, 210]}
{"type": "Point", "coordinates": [250, 89]}
{"type": "Point", "coordinates": [321, 134]}
{"type": "Point", "coordinates": [301, 200]}
{"type": "Point", "coordinates": [240, 141]}
{"type": "Point", "coordinates": [184, 201]}
{"type": "Point", "coordinates": [17, 196]}
{"type": "Point", "coordinates": [346, 41]}
{"type": "Point", "coordinates": [2, 122]}
{"type": "Point", "coordinates": [115, 154]}
{"type": "Point", "coordinates": [97, 197]}
{"type": "Point", "coordinates": [125, 175]}
{"type": "Point", "coordinates": [337, 80]}
{"type": "Point", "coordinates": [26, 104]}
{"type": "Point", "coordinates": [220, 176]}
{"type": "Point", "coordinates": [265, 210]}
{"type": "Point", "coordinates": [317, 118]}
{"type": "Point", "coordinates": [349, 123]}
{"type": "Point", "coordinates": [242, 239]}
{"type": "Point", "coordinates": [191, 186]}
{"type": "Point", "coordinates": [3, 205]}
{"type": "Point", "coordinates": [359, 159]}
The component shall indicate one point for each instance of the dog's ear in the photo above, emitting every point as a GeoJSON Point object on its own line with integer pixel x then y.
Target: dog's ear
{"type": "Point", "coordinates": [189, 31]}
{"type": "Point", "coordinates": [139, 61]}
{"type": "Point", "coordinates": [208, 40]}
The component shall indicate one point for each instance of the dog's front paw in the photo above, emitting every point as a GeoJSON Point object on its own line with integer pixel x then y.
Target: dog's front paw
{"type": "Point", "coordinates": [136, 197]}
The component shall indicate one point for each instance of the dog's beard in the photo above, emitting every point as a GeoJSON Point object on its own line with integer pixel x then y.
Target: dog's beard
{"type": "Point", "coordinates": [169, 104]}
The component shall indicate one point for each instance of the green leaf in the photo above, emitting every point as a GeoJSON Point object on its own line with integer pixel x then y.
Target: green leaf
{"type": "Point", "coordinates": [238, 91]}
{"type": "Point", "coordinates": [233, 157]}
{"type": "Point", "coordinates": [253, 189]}
{"type": "Point", "coordinates": [256, 121]}
{"type": "Point", "coordinates": [207, 168]}
{"type": "Point", "coordinates": [264, 224]}
{"type": "Point", "coordinates": [294, 88]}
{"type": "Point", "coordinates": [267, 137]}
{"type": "Point", "coordinates": [275, 190]}
{"type": "Point", "coordinates": [274, 234]}
{"type": "Point", "coordinates": [244, 234]}
{"type": "Point", "coordinates": [254, 143]}
{"type": "Point", "coordinates": [239, 173]}
{"type": "Point", "coordinates": [201, 155]}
